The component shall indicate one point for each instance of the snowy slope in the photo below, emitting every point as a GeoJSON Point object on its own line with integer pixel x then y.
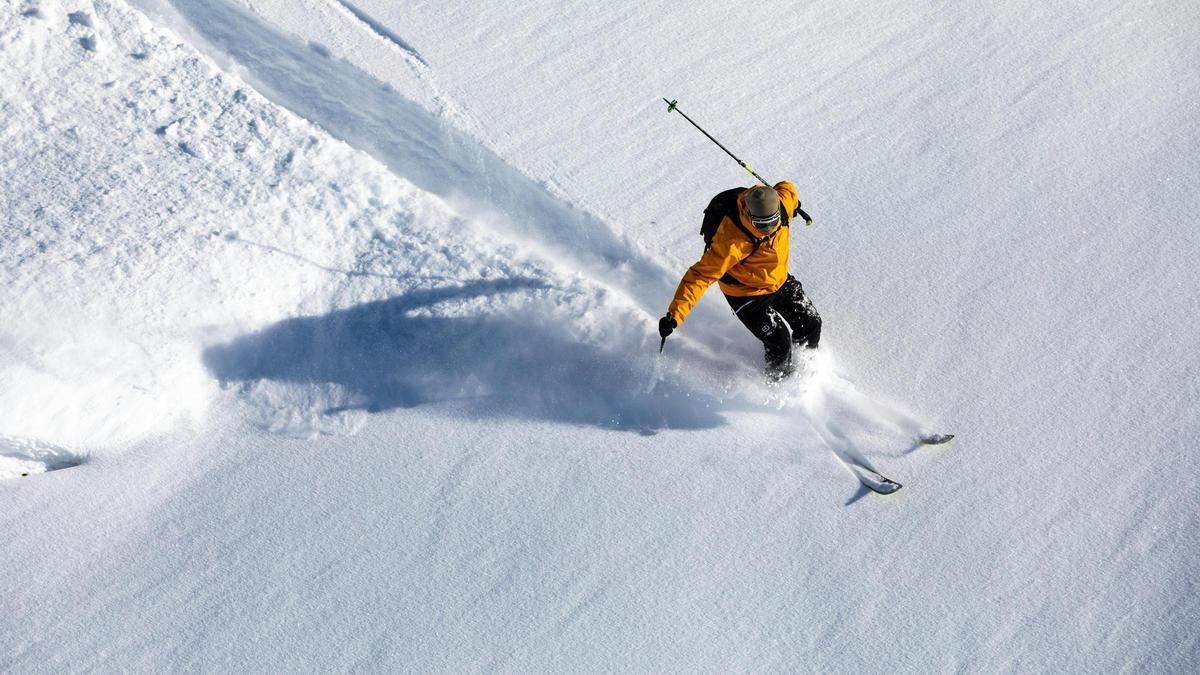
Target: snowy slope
{"type": "Point", "coordinates": [339, 317]}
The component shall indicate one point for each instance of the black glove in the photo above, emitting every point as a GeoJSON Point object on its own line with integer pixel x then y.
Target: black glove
{"type": "Point", "coordinates": [666, 326]}
{"type": "Point", "coordinates": [800, 212]}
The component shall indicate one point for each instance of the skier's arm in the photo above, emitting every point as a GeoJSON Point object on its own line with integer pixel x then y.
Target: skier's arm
{"type": "Point", "coordinates": [724, 253]}
{"type": "Point", "coordinates": [788, 199]}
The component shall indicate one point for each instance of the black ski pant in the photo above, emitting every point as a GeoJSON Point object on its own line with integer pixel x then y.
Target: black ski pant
{"type": "Point", "coordinates": [780, 319]}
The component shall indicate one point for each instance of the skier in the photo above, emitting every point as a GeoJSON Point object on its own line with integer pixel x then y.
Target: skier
{"type": "Point", "coordinates": [746, 237]}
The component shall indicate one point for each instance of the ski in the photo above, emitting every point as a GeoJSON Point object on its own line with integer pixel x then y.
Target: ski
{"type": "Point", "coordinates": [935, 439]}
{"type": "Point", "coordinates": [877, 482]}
{"type": "Point", "coordinates": [873, 480]}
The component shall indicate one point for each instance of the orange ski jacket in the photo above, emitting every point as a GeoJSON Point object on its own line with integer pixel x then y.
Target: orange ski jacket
{"type": "Point", "coordinates": [751, 274]}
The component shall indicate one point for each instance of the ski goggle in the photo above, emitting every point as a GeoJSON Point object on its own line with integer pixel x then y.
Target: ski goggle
{"type": "Point", "coordinates": [765, 223]}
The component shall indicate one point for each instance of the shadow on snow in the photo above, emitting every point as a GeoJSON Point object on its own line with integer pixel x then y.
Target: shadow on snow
{"type": "Point", "coordinates": [392, 354]}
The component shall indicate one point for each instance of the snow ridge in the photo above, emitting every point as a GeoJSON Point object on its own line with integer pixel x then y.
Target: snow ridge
{"type": "Point", "coordinates": [423, 148]}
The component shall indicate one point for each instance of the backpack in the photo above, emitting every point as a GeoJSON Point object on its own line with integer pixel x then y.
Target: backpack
{"type": "Point", "coordinates": [725, 205]}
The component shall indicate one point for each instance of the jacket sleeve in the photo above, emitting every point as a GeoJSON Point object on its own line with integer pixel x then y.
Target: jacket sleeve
{"type": "Point", "coordinates": [788, 198]}
{"type": "Point", "coordinates": [724, 253]}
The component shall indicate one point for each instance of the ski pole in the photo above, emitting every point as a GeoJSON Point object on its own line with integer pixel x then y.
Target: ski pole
{"type": "Point", "coordinates": [673, 106]}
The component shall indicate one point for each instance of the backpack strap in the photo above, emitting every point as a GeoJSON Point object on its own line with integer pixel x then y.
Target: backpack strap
{"type": "Point", "coordinates": [723, 205]}
{"type": "Point", "coordinates": [735, 217]}
{"type": "Point", "coordinates": [737, 220]}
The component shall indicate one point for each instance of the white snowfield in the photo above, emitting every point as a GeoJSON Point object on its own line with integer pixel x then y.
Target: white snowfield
{"type": "Point", "coordinates": [328, 338]}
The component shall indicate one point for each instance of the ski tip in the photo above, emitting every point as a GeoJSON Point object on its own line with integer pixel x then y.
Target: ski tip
{"type": "Point", "coordinates": [874, 481]}
{"type": "Point", "coordinates": [890, 487]}
{"type": "Point", "coordinates": [935, 439]}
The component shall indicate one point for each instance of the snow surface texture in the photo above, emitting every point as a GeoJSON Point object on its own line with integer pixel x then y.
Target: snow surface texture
{"type": "Point", "coordinates": [339, 317]}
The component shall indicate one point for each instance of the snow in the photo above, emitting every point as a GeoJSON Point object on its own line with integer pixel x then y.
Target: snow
{"type": "Point", "coordinates": [329, 338]}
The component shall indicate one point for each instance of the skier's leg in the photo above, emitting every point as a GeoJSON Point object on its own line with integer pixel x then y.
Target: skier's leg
{"type": "Point", "coordinates": [764, 321]}
{"type": "Point", "coordinates": [795, 307]}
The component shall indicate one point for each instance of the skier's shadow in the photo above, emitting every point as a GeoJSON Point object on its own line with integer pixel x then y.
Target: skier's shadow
{"type": "Point", "coordinates": [395, 353]}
